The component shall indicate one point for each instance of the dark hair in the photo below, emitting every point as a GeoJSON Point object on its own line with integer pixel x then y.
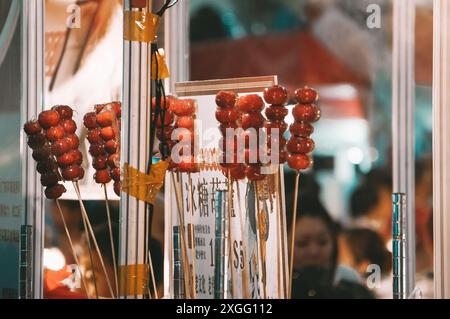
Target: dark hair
{"type": "Point", "coordinates": [314, 209]}
{"type": "Point", "coordinates": [366, 195]}
{"type": "Point", "coordinates": [365, 244]}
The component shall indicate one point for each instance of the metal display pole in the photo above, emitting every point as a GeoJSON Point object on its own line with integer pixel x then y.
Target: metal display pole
{"type": "Point", "coordinates": [135, 151]}
{"type": "Point", "coordinates": [441, 149]}
{"type": "Point", "coordinates": [176, 46]}
{"type": "Point", "coordinates": [33, 12]}
{"type": "Point", "coordinates": [403, 105]}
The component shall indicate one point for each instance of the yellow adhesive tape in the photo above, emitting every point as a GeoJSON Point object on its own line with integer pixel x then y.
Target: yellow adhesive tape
{"type": "Point", "coordinates": [163, 69]}
{"type": "Point", "coordinates": [142, 186]}
{"type": "Point", "coordinates": [140, 26]}
{"type": "Point", "coordinates": [133, 280]}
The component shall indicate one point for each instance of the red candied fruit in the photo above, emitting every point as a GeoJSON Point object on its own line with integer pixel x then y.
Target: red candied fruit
{"type": "Point", "coordinates": [276, 95]}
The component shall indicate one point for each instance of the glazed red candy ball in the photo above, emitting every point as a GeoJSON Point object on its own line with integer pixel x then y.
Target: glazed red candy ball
{"type": "Point", "coordinates": [167, 133]}
{"type": "Point", "coordinates": [81, 174]}
{"type": "Point", "coordinates": [77, 155]}
{"type": "Point", "coordinates": [302, 129]}
{"type": "Point", "coordinates": [253, 173]}
{"type": "Point", "coordinates": [115, 174]}
{"type": "Point", "coordinates": [47, 166]}
{"type": "Point", "coordinates": [169, 117]}
{"type": "Point", "coordinates": [94, 136]}
{"type": "Point", "coordinates": [238, 172]}
{"type": "Point", "coordinates": [49, 118]}
{"type": "Point", "coordinates": [253, 119]}
{"type": "Point", "coordinates": [65, 112]}
{"type": "Point", "coordinates": [300, 145]}
{"type": "Point", "coordinates": [55, 192]}
{"type": "Point", "coordinates": [69, 126]}
{"type": "Point", "coordinates": [73, 141]}
{"type": "Point", "coordinates": [90, 120]}
{"type": "Point", "coordinates": [100, 162]}
{"type": "Point", "coordinates": [306, 95]}
{"type": "Point", "coordinates": [113, 161]}
{"type": "Point", "coordinates": [102, 177]}
{"type": "Point", "coordinates": [107, 133]}
{"type": "Point", "coordinates": [224, 126]}
{"type": "Point", "coordinates": [226, 99]}
{"type": "Point", "coordinates": [111, 146]}
{"type": "Point", "coordinates": [276, 95]}
{"type": "Point", "coordinates": [66, 160]}
{"type": "Point", "coordinates": [36, 141]}
{"type": "Point", "coordinates": [278, 142]}
{"type": "Point", "coordinates": [42, 153]}
{"type": "Point", "coordinates": [250, 103]}
{"type": "Point", "coordinates": [271, 125]}
{"type": "Point", "coordinates": [276, 113]}
{"type": "Point", "coordinates": [299, 161]}
{"type": "Point", "coordinates": [117, 188]}
{"type": "Point", "coordinates": [55, 133]}
{"type": "Point", "coordinates": [186, 122]}
{"type": "Point", "coordinates": [170, 100]}
{"type": "Point", "coordinates": [188, 165]}
{"type": "Point", "coordinates": [71, 173]}
{"type": "Point", "coordinates": [117, 107]}
{"type": "Point", "coordinates": [60, 147]}
{"type": "Point", "coordinates": [49, 179]}
{"type": "Point", "coordinates": [227, 115]}
{"type": "Point", "coordinates": [32, 127]}
{"type": "Point", "coordinates": [97, 150]}
{"type": "Point", "coordinates": [183, 107]}
{"type": "Point", "coordinates": [306, 112]}
{"type": "Point", "coordinates": [105, 118]}
{"type": "Point", "coordinates": [99, 108]}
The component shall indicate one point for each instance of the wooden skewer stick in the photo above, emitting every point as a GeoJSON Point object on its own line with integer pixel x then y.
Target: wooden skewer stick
{"type": "Point", "coordinates": [89, 226]}
{"type": "Point", "coordinates": [152, 274]}
{"type": "Point", "coordinates": [294, 221]}
{"type": "Point", "coordinates": [260, 240]}
{"type": "Point", "coordinates": [230, 239]}
{"type": "Point", "coordinates": [278, 236]}
{"type": "Point", "coordinates": [72, 247]}
{"type": "Point", "coordinates": [88, 241]}
{"type": "Point", "coordinates": [282, 235]}
{"type": "Point", "coordinates": [245, 275]}
{"type": "Point", "coordinates": [184, 260]}
{"type": "Point", "coordinates": [111, 238]}
{"type": "Point", "coordinates": [192, 236]}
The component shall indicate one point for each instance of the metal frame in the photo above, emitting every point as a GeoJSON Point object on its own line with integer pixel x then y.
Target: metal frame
{"type": "Point", "coordinates": [135, 151]}
{"type": "Point", "coordinates": [403, 105]}
{"type": "Point", "coordinates": [441, 149]}
{"type": "Point", "coordinates": [176, 42]}
{"type": "Point", "coordinates": [33, 12]}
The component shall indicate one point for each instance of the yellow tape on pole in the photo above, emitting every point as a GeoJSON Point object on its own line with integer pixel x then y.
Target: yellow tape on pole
{"type": "Point", "coordinates": [133, 280]}
{"type": "Point", "coordinates": [141, 26]}
{"type": "Point", "coordinates": [142, 186]}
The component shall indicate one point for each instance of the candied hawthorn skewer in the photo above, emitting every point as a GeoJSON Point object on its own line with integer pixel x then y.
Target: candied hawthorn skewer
{"type": "Point", "coordinates": [300, 147]}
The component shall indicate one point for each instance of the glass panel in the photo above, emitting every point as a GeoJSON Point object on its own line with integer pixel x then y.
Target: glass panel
{"type": "Point", "coordinates": [11, 202]}
{"type": "Point", "coordinates": [308, 43]}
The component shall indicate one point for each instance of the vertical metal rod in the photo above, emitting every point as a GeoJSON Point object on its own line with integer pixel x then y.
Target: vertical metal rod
{"type": "Point", "coordinates": [135, 151]}
{"type": "Point", "coordinates": [33, 12]}
{"type": "Point", "coordinates": [403, 105]}
{"type": "Point", "coordinates": [399, 253]}
{"type": "Point", "coordinates": [441, 148]}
